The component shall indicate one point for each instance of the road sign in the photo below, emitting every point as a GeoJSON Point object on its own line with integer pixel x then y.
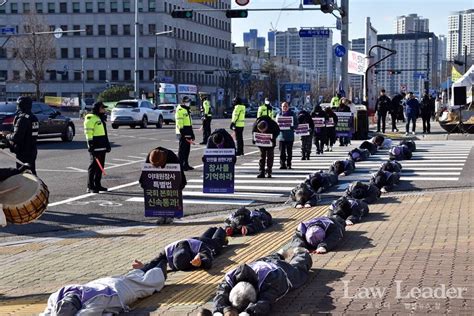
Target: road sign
{"type": "Point", "coordinates": [314, 33]}
{"type": "Point", "coordinates": [339, 51]}
{"type": "Point", "coordinates": [58, 32]}
{"type": "Point", "coordinates": [419, 75]}
{"type": "Point", "coordinates": [7, 30]}
{"type": "Point", "coordinates": [167, 79]}
{"type": "Point", "coordinates": [297, 86]}
{"type": "Point", "coordinates": [242, 2]}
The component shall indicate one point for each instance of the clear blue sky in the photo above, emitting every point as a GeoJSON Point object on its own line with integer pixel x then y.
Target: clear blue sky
{"type": "Point", "coordinates": [381, 12]}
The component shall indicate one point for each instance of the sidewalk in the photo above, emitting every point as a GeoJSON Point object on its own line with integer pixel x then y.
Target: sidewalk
{"type": "Point", "coordinates": [422, 241]}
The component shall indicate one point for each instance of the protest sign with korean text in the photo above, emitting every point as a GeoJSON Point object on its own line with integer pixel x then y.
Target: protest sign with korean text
{"type": "Point", "coordinates": [330, 122]}
{"type": "Point", "coordinates": [162, 190]}
{"type": "Point", "coordinates": [302, 130]}
{"type": "Point", "coordinates": [218, 170]}
{"type": "Point", "coordinates": [285, 122]}
{"type": "Point", "coordinates": [345, 124]}
{"type": "Point", "coordinates": [263, 140]}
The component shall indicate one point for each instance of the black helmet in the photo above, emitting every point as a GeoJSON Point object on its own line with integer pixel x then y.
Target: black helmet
{"type": "Point", "coordinates": [24, 103]}
{"type": "Point", "coordinates": [237, 100]}
{"type": "Point", "coordinates": [96, 107]}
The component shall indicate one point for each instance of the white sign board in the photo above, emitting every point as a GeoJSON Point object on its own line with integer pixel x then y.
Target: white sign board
{"type": "Point", "coordinates": [357, 63]}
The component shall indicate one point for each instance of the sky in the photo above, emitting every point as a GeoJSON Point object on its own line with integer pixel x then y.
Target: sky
{"type": "Point", "coordinates": [381, 12]}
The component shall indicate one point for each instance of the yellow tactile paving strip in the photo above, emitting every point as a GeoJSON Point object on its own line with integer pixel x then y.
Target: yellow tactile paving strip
{"type": "Point", "coordinates": [199, 287]}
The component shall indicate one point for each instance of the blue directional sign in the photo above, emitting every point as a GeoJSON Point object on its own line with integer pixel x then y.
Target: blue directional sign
{"type": "Point", "coordinates": [419, 75]}
{"type": "Point", "coordinates": [309, 2]}
{"type": "Point", "coordinates": [339, 51]}
{"type": "Point", "coordinates": [297, 87]}
{"type": "Point", "coordinates": [314, 32]}
{"type": "Point", "coordinates": [7, 30]}
{"type": "Point", "coordinates": [167, 79]}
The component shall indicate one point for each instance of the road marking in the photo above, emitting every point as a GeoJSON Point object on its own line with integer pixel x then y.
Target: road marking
{"type": "Point", "coordinates": [248, 187]}
{"type": "Point", "coordinates": [63, 170]}
{"type": "Point", "coordinates": [428, 179]}
{"type": "Point", "coordinates": [263, 181]}
{"type": "Point", "coordinates": [196, 201]}
{"type": "Point", "coordinates": [247, 194]}
{"type": "Point", "coordinates": [126, 160]}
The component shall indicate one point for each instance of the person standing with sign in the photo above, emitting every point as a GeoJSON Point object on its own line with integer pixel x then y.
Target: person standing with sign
{"type": "Point", "coordinates": [238, 124]}
{"type": "Point", "coordinates": [184, 132]}
{"type": "Point", "coordinates": [305, 119]}
{"type": "Point", "coordinates": [331, 124]}
{"type": "Point", "coordinates": [265, 109]}
{"type": "Point", "coordinates": [265, 127]}
{"type": "Point", "coordinates": [98, 144]}
{"type": "Point", "coordinates": [345, 107]}
{"type": "Point", "coordinates": [287, 122]}
{"type": "Point", "coordinates": [206, 113]}
{"type": "Point", "coordinates": [319, 136]}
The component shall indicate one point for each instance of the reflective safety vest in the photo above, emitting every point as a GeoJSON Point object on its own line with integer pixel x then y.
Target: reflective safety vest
{"type": "Point", "coordinates": [264, 110]}
{"type": "Point", "coordinates": [183, 119]}
{"type": "Point", "coordinates": [206, 106]}
{"type": "Point", "coordinates": [96, 133]}
{"type": "Point", "coordinates": [238, 115]}
{"type": "Point", "coordinates": [335, 101]}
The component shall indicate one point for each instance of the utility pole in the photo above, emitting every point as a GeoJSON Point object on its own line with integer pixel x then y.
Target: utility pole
{"type": "Point", "coordinates": [135, 90]}
{"type": "Point", "coordinates": [83, 80]}
{"type": "Point", "coordinates": [345, 43]}
{"type": "Point", "coordinates": [465, 58]}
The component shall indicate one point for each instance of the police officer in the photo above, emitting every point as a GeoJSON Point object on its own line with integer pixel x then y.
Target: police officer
{"type": "Point", "coordinates": [22, 141]}
{"type": "Point", "coordinates": [184, 132]}
{"type": "Point", "coordinates": [206, 112]}
{"type": "Point", "coordinates": [98, 145]}
{"type": "Point", "coordinates": [265, 109]}
{"type": "Point", "coordinates": [238, 123]}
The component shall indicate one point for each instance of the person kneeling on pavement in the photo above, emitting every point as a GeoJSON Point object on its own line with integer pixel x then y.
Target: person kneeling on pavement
{"type": "Point", "coordinates": [6, 173]}
{"type": "Point", "coordinates": [194, 253]}
{"type": "Point", "coordinates": [368, 193]}
{"type": "Point", "coordinates": [371, 147]}
{"type": "Point", "coordinates": [410, 144]}
{"type": "Point", "coordinates": [342, 167]}
{"type": "Point", "coordinates": [110, 295]}
{"type": "Point", "coordinates": [400, 152]}
{"type": "Point", "coordinates": [391, 166]}
{"type": "Point", "coordinates": [303, 195]}
{"type": "Point", "coordinates": [349, 209]}
{"type": "Point", "coordinates": [247, 222]}
{"type": "Point", "coordinates": [381, 142]}
{"type": "Point", "coordinates": [252, 289]}
{"type": "Point", "coordinates": [321, 181]}
{"type": "Point", "coordinates": [266, 125]}
{"type": "Point", "coordinates": [319, 235]}
{"type": "Point", "coordinates": [358, 154]}
{"type": "Point", "coordinates": [385, 180]}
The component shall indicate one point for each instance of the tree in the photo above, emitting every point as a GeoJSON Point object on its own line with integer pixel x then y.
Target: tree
{"type": "Point", "coordinates": [115, 93]}
{"type": "Point", "coordinates": [35, 51]}
{"type": "Point", "coordinates": [274, 74]}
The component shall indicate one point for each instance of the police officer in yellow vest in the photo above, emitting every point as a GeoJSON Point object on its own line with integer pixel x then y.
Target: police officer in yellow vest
{"type": "Point", "coordinates": [98, 145]}
{"type": "Point", "coordinates": [265, 109]}
{"type": "Point", "coordinates": [184, 132]}
{"type": "Point", "coordinates": [238, 124]}
{"type": "Point", "coordinates": [206, 116]}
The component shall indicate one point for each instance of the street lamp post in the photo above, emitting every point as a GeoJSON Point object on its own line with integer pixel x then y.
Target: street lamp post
{"type": "Point", "coordinates": [83, 79]}
{"type": "Point", "coordinates": [155, 72]}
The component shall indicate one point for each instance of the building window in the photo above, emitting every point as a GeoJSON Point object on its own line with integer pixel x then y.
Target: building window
{"type": "Point", "coordinates": [65, 76]}
{"type": "Point", "coordinates": [140, 5]}
{"type": "Point", "coordinates": [140, 52]}
{"type": "Point", "coordinates": [26, 7]}
{"type": "Point", "coordinates": [114, 75]}
{"type": "Point", "coordinates": [102, 75]}
{"type": "Point", "coordinates": [64, 53]}
{"type": "Point", "coordinates": [140, 29]}
{"type": "Point", "coordinates": [90, 75]}
{"type": "Point", "coordinates": [16, 75]}
{"type": "Point", "coordinates": [101, 6]}
{"type": "Point", "coordinates": [114, 29]}
{"type": "Point", "coordinates": [114, 52]}
{"type": "Point", "coordinates": [152, 6]}
{"type": "Point", "coordinates": [14, 8]}
{"type": "Point", "coordinates": [77, 52]}
{"type": "Point", "coordinates": [89, 30]}
{"type": "Point", "coordinates": [140, 75]}
{"type": "Point", "coordinates": [77, 76]}
{"type": "Point", "coordinates": [126, 6]}
{"type": "Point", "coordinates": [127, 75]}
{"type": "Point", "coordinates": [89, 7]}
{"type": "Point", "coordinates": [151, 52]}
{"type": "Point", "coordinates": [101, 29]}
{"type": "Point", "coordinates": [101, 52]}
{"type": "Point", "coordinates": [152, 29]}
{"type": "Point", "coordinates": [62, 7]}
{"type": "Point", "coordinates": [51, 7]}
{"type": "Point", "coordinates": [76, 28]}
{"type": "Point", "coordinates": [39, 7]}
{"type": "Point", "coordinates": [76, 7]}
{"type": "Point", "coordinates": [127, 52]}
{"type": "Point", "coordinates": [113, 7]}
{"type": "Point", "coordinates": [52, 76]}
{"type": "Point", "coordinates": [3, 53]}
{"type": "Point", "coordinates": [126, 29]}
{"type": "Point", "coordinates": [90, 52]}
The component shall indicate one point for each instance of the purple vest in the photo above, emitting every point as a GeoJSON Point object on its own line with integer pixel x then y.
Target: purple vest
{"type": "Point", "coordinates": [85, 293]}
{"type": "Point", "coordinates": [323, 222]}
{"type": "Point", "coordinates": [261, 268]}
{"type": "Point", "coordinates": [194, 244]}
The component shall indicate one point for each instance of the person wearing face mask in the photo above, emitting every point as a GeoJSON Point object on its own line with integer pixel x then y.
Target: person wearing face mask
{"type": "Point", "coordinates": [265, 109]}
{"type": "Point", "coordinates": [184, 131]}
{"type": "Point", "coordinates": [98, 145]}
{"type": "Point", "coordinates": [286, 137]}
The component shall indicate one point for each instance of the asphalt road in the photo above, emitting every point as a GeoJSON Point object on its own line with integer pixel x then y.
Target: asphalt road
{"type": "Point", "coordinates": [62, 166]}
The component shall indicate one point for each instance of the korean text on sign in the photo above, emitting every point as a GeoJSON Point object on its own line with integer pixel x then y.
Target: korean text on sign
{"type": "Point", "coordinates": [218, 171]}
{"type": "Point", "coordinates": [302, 130]}
{"type": "Point", "coordinates": [263, 140]}
{"type": "Point", "coordinates": [285, 122]}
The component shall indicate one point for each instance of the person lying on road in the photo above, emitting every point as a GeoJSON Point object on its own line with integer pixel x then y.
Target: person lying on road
{"type": "Point", "coordinates": [349, 209]}
{"type": "Point", "coordinates": [342, 167]}
{"type": "Point", "coordinates": [368, 193]}
{"type": "Point", "coordinates": [246, 222]}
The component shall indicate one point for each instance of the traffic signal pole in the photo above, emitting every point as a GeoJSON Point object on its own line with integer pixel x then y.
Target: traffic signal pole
{"type": "Point", "coordinates": [345, 43]}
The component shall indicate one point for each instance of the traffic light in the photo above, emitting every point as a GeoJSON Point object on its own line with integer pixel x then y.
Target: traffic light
{"type": "Point", "coordinates": [327, 6]}
{"type": "Point", "coordinates": [182, 14]}
{"type": "Point", "coordinates": [236, 14]}
{"type": "Point", "coordinates": [394, 72]}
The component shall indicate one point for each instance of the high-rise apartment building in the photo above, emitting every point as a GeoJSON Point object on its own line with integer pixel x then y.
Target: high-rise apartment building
{"type": "Point", "coordinates": [312, 52]}
{"type": "Point", "coordinates": [460, 35]}
{"type": "Point", "coordinates": [411, 23]}
{"type": "Point", "coordinates": [253, 41]}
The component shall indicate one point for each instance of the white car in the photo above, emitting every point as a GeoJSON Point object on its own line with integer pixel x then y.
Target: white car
{"type": "Point", "coordinates": [169, 111]}
{"type": "Point", "coordinates": [136, 112]}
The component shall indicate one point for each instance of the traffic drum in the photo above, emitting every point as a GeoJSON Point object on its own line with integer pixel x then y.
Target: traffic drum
{"type": "Point", "coordinates": [25, 203]}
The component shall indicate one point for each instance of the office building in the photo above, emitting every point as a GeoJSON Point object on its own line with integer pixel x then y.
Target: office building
{"type": "Point", "coordinates": [411, 23]}
{"type": "Point", "coordinates": [253, 41]}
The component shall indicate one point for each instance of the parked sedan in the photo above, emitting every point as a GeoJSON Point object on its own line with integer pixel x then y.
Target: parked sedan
{"type": "Point", "coordinates": [136, 112]}
{"type": "Point", "coordinates": [168, 111]}
{"type": "Point", "coordinates": [51, 123]}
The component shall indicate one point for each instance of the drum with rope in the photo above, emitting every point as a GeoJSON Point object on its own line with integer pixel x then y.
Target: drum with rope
{"type": "Point", "coordinates": [26, 200]}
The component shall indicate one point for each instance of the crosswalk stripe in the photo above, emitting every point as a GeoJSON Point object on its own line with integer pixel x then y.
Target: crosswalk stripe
{"type": "Point", "coordinates": [196, 201]}
{"type": "Point", "coordinates": [248, 187]}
